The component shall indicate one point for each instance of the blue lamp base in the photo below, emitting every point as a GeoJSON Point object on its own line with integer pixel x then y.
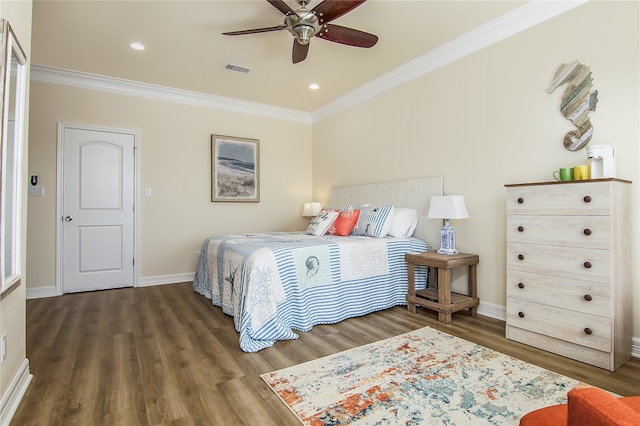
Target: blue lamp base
{"type": "Point", "coordinates": [447, 239]}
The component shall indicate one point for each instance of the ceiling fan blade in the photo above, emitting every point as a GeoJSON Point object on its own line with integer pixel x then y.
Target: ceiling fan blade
{"type": "Point", "coordinates": [256, 30]}
{"type": "Point", "coordinates": [300, 51]}
{"type": "Point", "coordinates": [282, 7]}
{"type": "Point", "coordinates": [329, 10]}
{"type": "Point", "coordinates": [348, 36]}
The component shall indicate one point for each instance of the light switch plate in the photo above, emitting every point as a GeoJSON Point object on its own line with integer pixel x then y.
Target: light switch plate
{"type": "Point", "coordinates": [36, 191]}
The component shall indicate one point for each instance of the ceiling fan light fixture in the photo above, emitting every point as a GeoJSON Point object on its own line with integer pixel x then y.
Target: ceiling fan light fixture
{"type": "Point", "coordinates": [303, 33]}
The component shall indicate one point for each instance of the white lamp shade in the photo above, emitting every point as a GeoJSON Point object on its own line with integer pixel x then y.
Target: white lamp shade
{"type": "Point", "coordinates": [448, 207]}
{"type": "Point", "coordinates": [311, 209]}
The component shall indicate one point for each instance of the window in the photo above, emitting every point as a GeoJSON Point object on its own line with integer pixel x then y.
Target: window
{"type": "Point", "coordinates": [13, 80]}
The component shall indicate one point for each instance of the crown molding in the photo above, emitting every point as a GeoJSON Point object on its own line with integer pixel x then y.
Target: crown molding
{"type": "Point", "coordinates": [532, 13]}
{"type": "Point", "coordinates": [520, 19]}
{"type": "Point", "coordinates": [120, 86]}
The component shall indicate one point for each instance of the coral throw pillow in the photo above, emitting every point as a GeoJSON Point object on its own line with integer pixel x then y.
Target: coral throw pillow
{"type": "Point", "coordinates": [344, 223]}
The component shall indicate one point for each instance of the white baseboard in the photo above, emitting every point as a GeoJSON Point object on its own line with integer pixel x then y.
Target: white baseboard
{"type": "Point", "coordinates": [11, 399]}
{"type": "Point", "coordinates": [41, 292]}
{"type": "Point", "coordinates": [494, 311]}
{"type": "Point", "coordinates": [165, 279]}
{"type": "Point", "coordinates": [635, 347]}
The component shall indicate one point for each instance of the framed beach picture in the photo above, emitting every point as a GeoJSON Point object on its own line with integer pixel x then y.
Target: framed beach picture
{"type": "Point", "coordinates": [235, 169]}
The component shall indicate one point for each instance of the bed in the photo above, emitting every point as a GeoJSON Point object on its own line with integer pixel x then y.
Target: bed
{"type": "Point", "coordinates": [274, 284]}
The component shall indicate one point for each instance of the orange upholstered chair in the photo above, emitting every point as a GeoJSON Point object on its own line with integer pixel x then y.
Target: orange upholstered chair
{"type": "Point", "coordinates": [588, 407]}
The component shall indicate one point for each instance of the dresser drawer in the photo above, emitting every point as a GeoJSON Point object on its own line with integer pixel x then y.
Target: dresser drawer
{"type": "Point", "coordinates": [583, 329]}
{"type": "Point", "coordinates": [577, 198]}
{"type": "Point", "coordinates": [578, 263]}
{"type": "Point", "coordinates": [574, 231]}
{"type": "Point", "coordinates": [581, 296]}
{"type": "Point", "coordinates": [600, 359]}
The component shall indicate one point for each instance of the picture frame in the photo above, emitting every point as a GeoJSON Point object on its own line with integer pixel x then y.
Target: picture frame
{"type": "Point", "coordinates": [235, 169]}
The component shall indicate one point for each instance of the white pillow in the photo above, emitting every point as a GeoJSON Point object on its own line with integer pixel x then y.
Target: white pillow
{"type": "Point", "coordinates": [319, 225]}
{"type": "Point", "coordinates": [374, 221]}
{"type": "Point", "coordinates": [404, 222]}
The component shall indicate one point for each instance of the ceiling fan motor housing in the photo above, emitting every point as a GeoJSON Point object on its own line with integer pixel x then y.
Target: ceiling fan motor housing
{"type": "Point", "coordinates": [303, 25]}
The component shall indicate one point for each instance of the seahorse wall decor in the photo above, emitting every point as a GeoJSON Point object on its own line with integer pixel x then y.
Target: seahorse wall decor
{"type": "Point", "coordinates": [577, 101]}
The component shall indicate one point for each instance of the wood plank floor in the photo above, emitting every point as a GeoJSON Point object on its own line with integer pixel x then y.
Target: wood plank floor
{"type": "Point", "coordinates": [164, 356]}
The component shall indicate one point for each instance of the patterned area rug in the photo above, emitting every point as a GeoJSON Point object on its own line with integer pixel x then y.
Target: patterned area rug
{"type": "Point", "coordinates": [425, 377]}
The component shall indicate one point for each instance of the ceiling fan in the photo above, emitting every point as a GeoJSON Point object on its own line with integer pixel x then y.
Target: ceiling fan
{"type": "Point", "coordinates": [304, 24]}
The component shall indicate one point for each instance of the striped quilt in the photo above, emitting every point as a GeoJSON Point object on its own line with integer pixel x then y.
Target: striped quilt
{"type": "Point", "coordinates": [275, 283]}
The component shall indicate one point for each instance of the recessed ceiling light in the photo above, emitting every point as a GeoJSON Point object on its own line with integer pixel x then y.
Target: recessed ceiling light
{"type": "Point", "coordinates": [314, 86]}
{"type": "Point", "coordinates": [136, 46]}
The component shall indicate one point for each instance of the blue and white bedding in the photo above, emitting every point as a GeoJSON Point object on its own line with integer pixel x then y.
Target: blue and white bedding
{"type": "Point", "coordinates": [274, 283]}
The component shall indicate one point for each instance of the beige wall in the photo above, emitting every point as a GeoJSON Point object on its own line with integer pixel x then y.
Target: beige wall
{"type": "Point", "coordinates": [12, 306]}
{"type": "Point", "coordinates": [487, 120]}
{"type": "Point", "coordinates": [481, 122]}
{"type": "Point", "coordinates": [174, 161]}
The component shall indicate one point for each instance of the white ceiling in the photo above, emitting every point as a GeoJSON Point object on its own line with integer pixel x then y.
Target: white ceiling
{"type": "Point", "coordinates": [186, 50]}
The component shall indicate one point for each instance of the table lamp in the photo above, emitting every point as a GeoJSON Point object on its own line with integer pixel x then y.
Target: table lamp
{"type": "Point", "coordinates": [311, 209]}
{"type": "Point", "coordinates": [447, 207]}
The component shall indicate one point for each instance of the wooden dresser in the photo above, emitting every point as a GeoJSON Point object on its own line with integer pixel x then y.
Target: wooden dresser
{"type": "Point", "coordinates": [568, 269]}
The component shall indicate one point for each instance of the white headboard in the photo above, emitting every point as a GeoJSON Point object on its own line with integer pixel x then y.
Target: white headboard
{"type": "Point", "coordinates": [410, 193]}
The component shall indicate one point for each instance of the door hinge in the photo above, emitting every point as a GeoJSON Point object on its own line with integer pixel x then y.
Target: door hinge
{"type": "Point", "coordinates": [134, 262]}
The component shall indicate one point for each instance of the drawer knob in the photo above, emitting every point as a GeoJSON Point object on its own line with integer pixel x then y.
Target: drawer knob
{"type": "Point", "coordinates": [587, 231]}
{"type": "Point", "coordinates": [588, 297]}
{"type": "Point", "coordinates": [521, 314]}
{"type": "Point", "coordinates": [520, 228]}
{"type": "Point", "coordinates": [587, 265]}
{"type": "Point", "coordinates": [521, 257]}
{"type": "Point", "coordinates": [520, 200]}
{"type": "Point", "coordinates": [588, 331]}
{"type": "Point", "coordinates": [587, 199]}
{"type": "Point", "coordinates": [520, 285]}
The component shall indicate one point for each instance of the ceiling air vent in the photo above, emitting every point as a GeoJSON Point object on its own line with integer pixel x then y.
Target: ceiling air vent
{"type": "Point", "coordinates": [236, 68]}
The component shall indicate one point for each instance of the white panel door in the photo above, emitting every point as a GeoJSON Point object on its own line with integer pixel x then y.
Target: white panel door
{"type": "Point", "coordinates": [98, 185]}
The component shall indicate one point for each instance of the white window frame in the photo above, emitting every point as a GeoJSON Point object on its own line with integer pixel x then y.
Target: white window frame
{"type": "Point", "coordinates": [13, 79]}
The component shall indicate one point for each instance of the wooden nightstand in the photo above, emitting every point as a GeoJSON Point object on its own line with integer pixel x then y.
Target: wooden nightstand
{"type": "Point", "coordinates": [442, 299]}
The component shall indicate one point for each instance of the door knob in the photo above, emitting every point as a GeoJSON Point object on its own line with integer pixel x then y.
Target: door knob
{"type": "Point", "coordinates": [68, 219]}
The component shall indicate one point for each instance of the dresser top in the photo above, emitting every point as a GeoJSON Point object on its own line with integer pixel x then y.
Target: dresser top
{"type": "Point", "coordinates": [569, 182]}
